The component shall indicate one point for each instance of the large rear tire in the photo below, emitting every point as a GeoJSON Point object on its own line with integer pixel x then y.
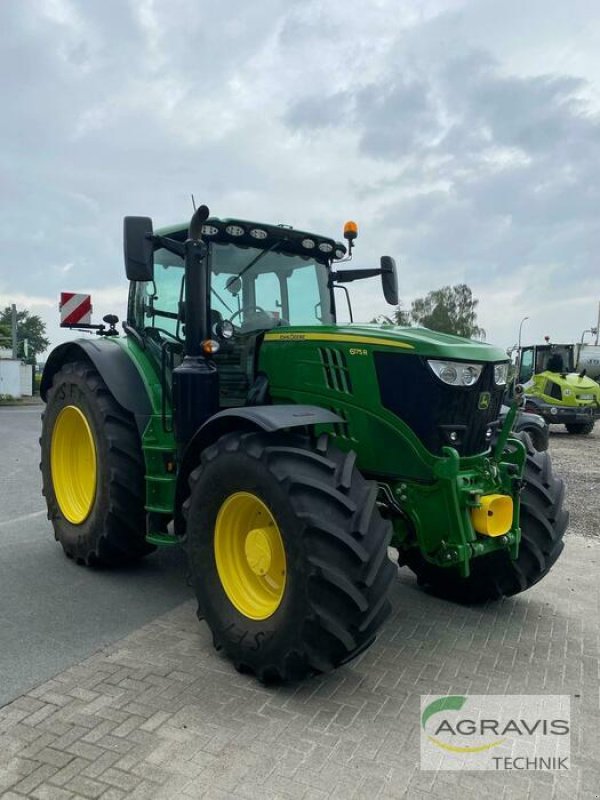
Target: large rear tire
{"type": "Point", "coordinates": [581, 428]}
{"type": "Point", "coordinates": [543, 524]}
{"type": "Point", "coordinates": [288, 553]}
{"type": "Point", "coordinates": [92, 470]}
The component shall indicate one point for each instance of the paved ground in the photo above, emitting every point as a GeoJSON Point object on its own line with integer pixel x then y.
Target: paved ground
{"type": "Point", "coordinates": [52, 612]}
{"type": "Point", "coordinates": [577, 459]}
{"type": "Point", "coordinates": [160, 714]}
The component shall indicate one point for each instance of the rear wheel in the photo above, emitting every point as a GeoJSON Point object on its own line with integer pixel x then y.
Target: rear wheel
{"type": "Point", "coordinates": [543, 524]}
{"type": "Point", "coordinates": [92, 470]}
{"type": "Point", "coordinates": [581, 427]}
{"type": "Point", "coordinates": [288, 553]}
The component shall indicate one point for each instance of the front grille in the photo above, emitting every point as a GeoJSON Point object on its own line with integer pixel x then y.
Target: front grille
{"type": "Point", "coordinates": [434, 410]}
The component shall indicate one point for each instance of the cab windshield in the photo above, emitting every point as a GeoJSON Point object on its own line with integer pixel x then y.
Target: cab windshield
{"type": "Point", "coordinates": [556, 358]}
{"type": "Point", "coordinates": [278, 289]}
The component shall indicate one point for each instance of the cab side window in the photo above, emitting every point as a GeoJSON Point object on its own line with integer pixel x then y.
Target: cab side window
{"type": "Point", "coordinates": [526, 366]}
{"type": "Point", "coordinates": [267, 290]}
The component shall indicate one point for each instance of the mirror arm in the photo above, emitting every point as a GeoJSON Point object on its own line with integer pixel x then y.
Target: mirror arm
{"type": "Point", "coordinates": [349, 275]}
{"type": "Point", "coordinates": [172, 245]}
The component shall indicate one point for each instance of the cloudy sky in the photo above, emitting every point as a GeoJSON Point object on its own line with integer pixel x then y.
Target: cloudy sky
{"type": "Point", "coordinates": [464, 137]}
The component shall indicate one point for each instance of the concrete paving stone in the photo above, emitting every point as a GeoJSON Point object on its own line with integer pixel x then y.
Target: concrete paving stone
{"type": "Point", "coordinates": [35, 778]}
{"type": "Point", "coordinates": [56, 758]}
{"type": "Point", "coordinates": [85, 750]}
{"type": "Point", "coordinates": [46, 791]}
{"type": "Point", "coordinates": [315, 794]}
{"type": "Point", "coordinates": [103, 726]}
{"type": "Point", "coordinates": [99, 765]}
{"type": "Point", "coordinates": [157, 775]}
{"type": "Point", "coordinates": [8, 777]}
{"type": "Point", "coordinates": [125, 781]}
{"type": "Point", "coordinates": [190, 726]}
{"type": "Point", "coordinates": [82, 786]}
{"type": "Point", "coordinates": [75, 767]}
{"type": "Point", "coordinates": [113, 794]}
{"type": "Point", "coordinates": [173, 789]}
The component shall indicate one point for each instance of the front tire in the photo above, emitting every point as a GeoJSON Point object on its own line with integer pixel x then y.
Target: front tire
{"type": "Point", "coordinates": [312, 518]}
{"type": "Point", "coordinates": [92, 470]}
{"type": "Point", "coordinates": [581, 428]}
{"type": "Point", "coordinates": [539, 438]}
{"type": "Point", "coordinates": [543, 525]}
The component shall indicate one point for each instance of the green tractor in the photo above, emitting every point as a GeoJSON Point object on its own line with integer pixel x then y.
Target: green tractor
{"type": "Point", "coordinates": [285, 453]}
{"type": "Point", "coordinates": [555, 390]}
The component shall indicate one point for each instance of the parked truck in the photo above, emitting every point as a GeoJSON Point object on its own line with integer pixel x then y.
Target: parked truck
{"type": "Point", "coordinates": [559, 383]}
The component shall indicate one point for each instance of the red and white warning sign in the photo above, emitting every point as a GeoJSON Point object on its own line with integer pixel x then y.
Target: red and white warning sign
{"type": "Point", "coordinates": [75, 308]}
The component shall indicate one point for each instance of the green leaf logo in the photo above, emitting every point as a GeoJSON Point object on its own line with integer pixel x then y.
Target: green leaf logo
{"type": "Point", "coordinates": [453, 702]}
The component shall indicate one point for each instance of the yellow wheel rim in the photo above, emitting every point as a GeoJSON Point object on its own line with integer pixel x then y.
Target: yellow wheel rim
{"type": "Point", "coordinates": [250, 555]}
{"type": "Point", "coordinates": [73, 464]}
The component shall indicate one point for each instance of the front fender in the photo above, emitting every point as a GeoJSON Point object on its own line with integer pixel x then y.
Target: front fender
{"type": "Point", "coordinates": [265, 418]}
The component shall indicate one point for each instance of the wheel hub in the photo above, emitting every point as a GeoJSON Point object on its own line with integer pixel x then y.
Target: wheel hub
{"type": "Point", "coordinates": [258, 551]}
{"type": "Point", "coordinates": [73, 464]}
{"type": "Point", "coordinates": [250, 555]}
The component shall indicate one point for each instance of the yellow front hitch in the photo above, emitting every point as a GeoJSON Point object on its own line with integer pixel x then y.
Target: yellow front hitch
{"type": "Point", "coordinates": [494, 516]}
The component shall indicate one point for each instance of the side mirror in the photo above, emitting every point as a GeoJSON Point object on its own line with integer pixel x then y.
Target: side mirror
{"type": "Point", "coordinates": [389, 280]}
{"type": "Point", "coordinates": [138, 248]}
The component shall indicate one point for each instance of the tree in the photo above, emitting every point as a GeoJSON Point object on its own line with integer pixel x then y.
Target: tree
{"type": "Point", "coordinates": [401, 316]}
{"type": "Point", "coordinates": [398, 317]}
{"type": "Point", "coordinates": [451, 309]}
{"type": "Point", "coordinates": [30, 327]}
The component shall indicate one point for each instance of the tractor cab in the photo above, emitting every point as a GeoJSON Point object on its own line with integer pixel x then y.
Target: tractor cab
{"type": "Point", "coordinates": [260, 278]}
{"type": "Point", "coordinates": [554, 358]}
{"type": "Point", "coordinates": [257, 278]}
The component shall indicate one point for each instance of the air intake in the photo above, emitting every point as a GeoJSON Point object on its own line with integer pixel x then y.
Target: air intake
{"type": "Point", "coordinates": [335, 368]}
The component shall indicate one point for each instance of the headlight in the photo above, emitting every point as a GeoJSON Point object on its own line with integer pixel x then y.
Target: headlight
{"type": "Point", "coordinates": [500, 374]}
{"type": "Point", "coordinates": [456, 374]}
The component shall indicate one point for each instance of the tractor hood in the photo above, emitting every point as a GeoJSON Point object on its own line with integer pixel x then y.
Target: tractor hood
{"type": "Point", "coordinates": [381, 378]}
{"type": "Point", "coordinates": [417, 341]}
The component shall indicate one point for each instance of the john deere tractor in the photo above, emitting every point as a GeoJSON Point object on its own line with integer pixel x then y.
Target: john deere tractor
{"type": "Point", "coordinates": [283, 452]}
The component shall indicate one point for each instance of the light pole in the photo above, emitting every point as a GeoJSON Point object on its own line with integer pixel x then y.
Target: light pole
{"type": "Point", "coordinates": [518, 359]}
{"type": "Point", "coordinates": [520, 330]}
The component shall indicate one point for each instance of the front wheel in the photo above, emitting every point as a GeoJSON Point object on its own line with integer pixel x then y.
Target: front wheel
{"type": "Point", "coordinates": [288, 553]}
{"type": "Point", "coordinates": [581, 428]}
{"type": "Point", "coordinates": [543, 525]}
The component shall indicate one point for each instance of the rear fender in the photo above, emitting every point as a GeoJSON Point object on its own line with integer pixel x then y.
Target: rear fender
{"type": "Point", "coordinates": [115, 367]}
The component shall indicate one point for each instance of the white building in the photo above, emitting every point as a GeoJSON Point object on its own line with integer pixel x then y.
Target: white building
{"type": "Point", "coordinates": [16, 378]}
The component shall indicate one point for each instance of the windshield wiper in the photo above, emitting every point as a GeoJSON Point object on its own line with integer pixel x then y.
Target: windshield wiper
{"type": "Point", "coordinates": [254, 261]}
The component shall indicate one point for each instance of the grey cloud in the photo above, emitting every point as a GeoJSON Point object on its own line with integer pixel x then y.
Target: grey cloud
{"type": "Point", "coordinates": [310, 113]}
{"type": "Point", "coordinates": [518, 157]}
{"type": "Point", "coordinates": [461, 164]}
